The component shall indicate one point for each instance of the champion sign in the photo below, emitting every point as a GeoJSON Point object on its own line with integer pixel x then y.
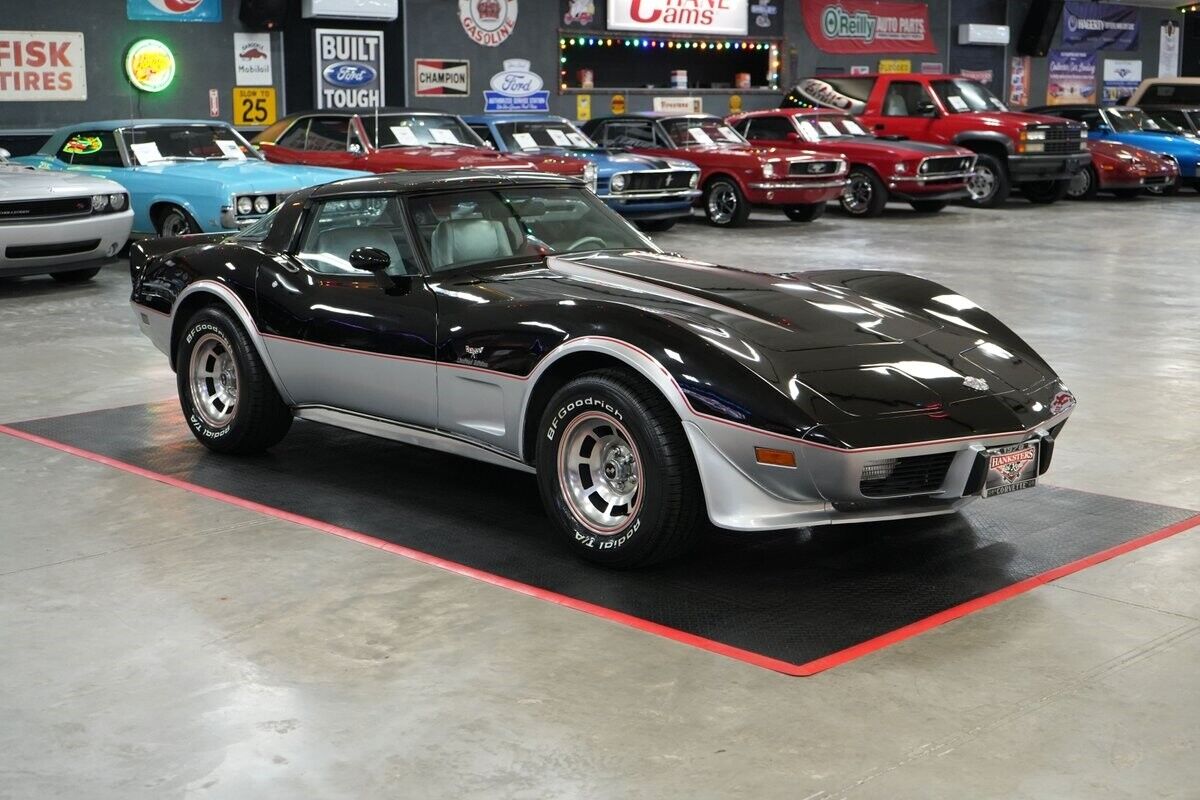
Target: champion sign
{"type": "Point", "coordinates": [441, 77]}
{"type": "Point", "coordinates": [861, 26]}
{"type": "Point", "coordinates": [349, 69]}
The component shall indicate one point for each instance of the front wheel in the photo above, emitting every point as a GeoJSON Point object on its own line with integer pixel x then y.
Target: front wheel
{"type": "Point", "coordinates": [724, 204]}
{"type": "Point", "coordinates": [174, 221]}
{"type": "Point", "coordinates": [988, 186]}
{"type": "Point", "coordinates": [864, 195]}
{"type": "Point", "coordinates": [76, 275]}
{"type": "Point", "coordinates": [928, 206]}
{"type": "Point", "coordinates": [1084, 185]}
{"type": "Point", "coordinates": [228, 399]}
{"type": "Point", "coordinates": [656, 225]}
{"type": "Point", "coordinates": [616, 472]}
{"type": "Point", "coordinates": [1046, 192]}
{"type": "Point", "coordinates": [805, 213]}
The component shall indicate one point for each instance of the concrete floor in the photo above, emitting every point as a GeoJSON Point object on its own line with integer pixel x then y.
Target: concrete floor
{"type": "Point", "coordinates": [157, 644]}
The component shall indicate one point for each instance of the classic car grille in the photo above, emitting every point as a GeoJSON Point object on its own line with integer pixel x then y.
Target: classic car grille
{"type": "Point", "coordinates": [891, 477]}
{"type": "Point", "coordinates": [945, 165]}
{"type": "Point", "coordinates": [1062, 139]}
{"type": "Point", "coordinates": [656, 181]}
{"type": "Point", "coordinates": [55, 208]}
{"type": "Point", "coordinates": [45, 250]}
{"type": "Point", "coordinates": [812, 168]}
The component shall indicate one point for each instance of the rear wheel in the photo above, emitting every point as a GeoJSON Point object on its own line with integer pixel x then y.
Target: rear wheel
{"type": "Point", "coordinates": [864, 195]}
{"type": "Point", "coordinates": [928, 206]}
{"type": "Point", "coordinates": [724, 204]}
{"type": "Point", "coordinates": [988, 186]}
{"type": "Point", "coordinates": [1084, 185]}
{"type": "Point", "coordinates": [76, 275]}
{"type": "Point", "coordinates": [616, 472]}
{"type": "Point", "coordinates": [1045, 192]}
{"type": "Point", "coordinates": [656, 225]}
{"type": "Point", "coordinates": [228, 399]}
{"type": "Point", "coordinates": [805, 213]}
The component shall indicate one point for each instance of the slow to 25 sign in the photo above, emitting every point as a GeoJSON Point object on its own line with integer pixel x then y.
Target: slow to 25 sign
{"type": "Point", "coordinates": [253, 106]}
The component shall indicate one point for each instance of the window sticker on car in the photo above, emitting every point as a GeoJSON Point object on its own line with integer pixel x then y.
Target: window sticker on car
{"type": "Point", "coordinates": [558, 137]}
{"type": "Point", "coordinates": [443, 136]}
{"type": "Point", "coordinates": [230, 149]}
{"type": "Point", "coordinates": [957, 102]}
{"type": "Point", "coordinates": [83, 145]}
{"type": "Point", "coordinates": [146, 152]}
{"type": "Point", "coordinates": [578, 139]}
{"type": "Point", "coordinates": [700, 136]}
{"type": "Point", "coordinates": [404, 135]}
{"type": "Point", "coordinates": [809, 132]}
{"type": "Point", "coordinates": [730, 134]}
{"type": "Point", "coordinates": [525, 141]}
{"type": "Point", "coordinates": [829, 128]}
{"type": "Point", "coordinates": [854, 127]}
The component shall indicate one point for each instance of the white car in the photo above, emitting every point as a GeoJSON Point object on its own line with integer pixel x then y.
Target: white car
{"type": "Point", "coordinates": [63, 224]}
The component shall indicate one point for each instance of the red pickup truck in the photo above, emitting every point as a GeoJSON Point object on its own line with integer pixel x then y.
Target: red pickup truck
{"type": "Point", "coordinates": [1037, 154]}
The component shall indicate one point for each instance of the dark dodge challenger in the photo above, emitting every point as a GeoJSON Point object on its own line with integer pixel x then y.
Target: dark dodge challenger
{"type": "Point", "coordinates": [515, 319]}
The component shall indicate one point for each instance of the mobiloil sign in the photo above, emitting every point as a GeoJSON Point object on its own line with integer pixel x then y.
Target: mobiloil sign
{"type": "Point", "coordinates": [349, 69]}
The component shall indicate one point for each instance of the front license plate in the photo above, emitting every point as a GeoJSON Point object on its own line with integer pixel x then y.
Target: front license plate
{"type": "Point", "coordinates": [1011, 469]}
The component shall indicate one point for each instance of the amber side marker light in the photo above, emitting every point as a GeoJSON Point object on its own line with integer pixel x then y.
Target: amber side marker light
{"type": "Point", "coordinates": [775, 458]}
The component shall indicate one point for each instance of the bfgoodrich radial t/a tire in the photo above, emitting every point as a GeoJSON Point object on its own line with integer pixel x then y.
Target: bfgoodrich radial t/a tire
{"type": "Point", "coordinates": [228, 399]}
{"type": "Point", "coordinates": [616, 472]}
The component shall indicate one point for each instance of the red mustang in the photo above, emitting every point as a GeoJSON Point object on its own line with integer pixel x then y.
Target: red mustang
{"type": "Point", "coordinates": [734, 174]}
{"type": "Point", "coordinates": [1124, 170]}
{"type": "Point", "coordinates": [394, 139]}
{"type": "Point", "coordinates": [926, 175]}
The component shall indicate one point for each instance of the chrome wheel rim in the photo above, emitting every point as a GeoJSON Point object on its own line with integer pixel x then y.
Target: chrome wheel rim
{"type": "Point", "coordinates": [857, 194]}
{"type": "Point", "coordinates": [1080, 183]}
{"type": "Point", "coordinates": [722, 203]}
{"type": "Point", "coordinates": [599, 472]}
{"type": "Point", "coordinates": [982, 184]}
{"type": "Point", "coordinates": [175, 225]}
{"type": "Point", "coordinates": [214, 381]}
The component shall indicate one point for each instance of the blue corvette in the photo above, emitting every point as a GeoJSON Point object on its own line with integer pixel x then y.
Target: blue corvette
{"type": "Point", "coordinates": [653, 192]}
{"type": "Point", "coordinates": [183, 176]}
{"type": "Point", "coordinates": [1131, 126]}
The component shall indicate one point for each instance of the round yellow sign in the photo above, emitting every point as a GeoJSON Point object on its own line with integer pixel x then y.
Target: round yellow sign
{"type": "Point", "coordinates": [150, 65]}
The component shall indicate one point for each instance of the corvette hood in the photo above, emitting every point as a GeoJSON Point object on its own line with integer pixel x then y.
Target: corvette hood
{"type": "Point", "coordinates": [250, 176]}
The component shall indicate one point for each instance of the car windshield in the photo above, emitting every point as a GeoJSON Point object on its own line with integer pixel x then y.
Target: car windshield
{"type": "Point", "coordinates": [477, 226]}
{"type": "Point", "coordinates": [959, 96]}
{"type": "Point", "coordinates": [1170, 119]}
{"type": "Point", "coordinates": [1134, 120]}
{"type": "Point", "coordinates": [152, 144]}
{"type": "Point", "coordinates": [688, 131]}
{"type": "Point", "coordinates": [816, 128]}
{"type": "Point", "coordinates": [532, 135]}
{"type": "Point", "coordinates": [419, 130]}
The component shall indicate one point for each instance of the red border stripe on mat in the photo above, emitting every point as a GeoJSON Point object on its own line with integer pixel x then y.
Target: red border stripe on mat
{"type": "Point", "coordinates": [787, 668]}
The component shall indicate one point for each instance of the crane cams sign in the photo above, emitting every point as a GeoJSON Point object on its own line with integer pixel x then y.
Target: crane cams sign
{"type": "Point", "coordinates": [864, 26]}
{"type": "Point", "coordinates": [488, 22]}
{"type": "Point", "coordinates": [42, 65]}
{"type": "Point", "coordinates": [349, 69]}
{"type": "Point", "coordinates": [712, 17]}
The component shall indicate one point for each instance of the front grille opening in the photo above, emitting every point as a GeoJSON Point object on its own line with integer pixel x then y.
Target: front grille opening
{"type": "Point", "coordinates": [893, 477]}
{"type": "Point", "coordinates": [812, 168]}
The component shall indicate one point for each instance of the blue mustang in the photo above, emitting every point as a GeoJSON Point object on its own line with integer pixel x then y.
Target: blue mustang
{"type": "Point", "coordinates": [653, 192]}
{"type": "Point", "coordinates": [183, 176]}
{"type": "Point", "coordinates": [1131, 126]}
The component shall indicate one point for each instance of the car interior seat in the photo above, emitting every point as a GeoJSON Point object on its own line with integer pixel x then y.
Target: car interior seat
{"type": "Point", "coordinates": [338, 243]}
{"type": "Point", "coordinates": [456, 241]}
{"type": "Point", "coordinates": [896, 105]}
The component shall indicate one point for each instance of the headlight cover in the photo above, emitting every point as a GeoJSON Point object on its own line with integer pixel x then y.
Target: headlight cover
{"type": "Point", "coordinates": [262, 204]}
{"type": "Point", "coordinates": [694, 181]}
{"type": "Point", "coordinates": [1035, 136]}
{"type": "Point", "coordinates": [590, 175]}
{"type": "Point", "coordinates": [99, 202]}
{"type": "Point", "coordinates": [618, 183]}
{"type": "Point", "coordinates": [245, 205]}
{"type": "Point", "coordinates": [768, 170]}
{"type": "Point", "coordinates": [1035, 147]}
{"type": "Point", "coordinates": [116, 202]}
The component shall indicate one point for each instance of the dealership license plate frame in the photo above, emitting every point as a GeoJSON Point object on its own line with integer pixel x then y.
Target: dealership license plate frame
{"type": "Point", "coordinates": [999, 463]}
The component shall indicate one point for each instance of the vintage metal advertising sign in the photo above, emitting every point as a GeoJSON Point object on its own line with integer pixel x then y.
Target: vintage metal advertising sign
{"type": "Point", "coordinates": [862, 26]}
{"type": "Point", "coordinates": [349, 68]}
{"type": "Point", "coordinates": [709, 17]}
{"type": "Point", "coordinates": [42, 65]}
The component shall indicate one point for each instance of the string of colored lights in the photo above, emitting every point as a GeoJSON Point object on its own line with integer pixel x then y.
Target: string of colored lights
{"type": "Point", "coordinates": [665, 44]}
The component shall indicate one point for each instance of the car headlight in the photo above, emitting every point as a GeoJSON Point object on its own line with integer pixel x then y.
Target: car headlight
{"type": "Point", "coordinates": [1035, 136]}
{"type": "Point", "coordinates": [99, 202]}
{"type": "Point", "coordinates": [901, 168]}
{"type": "Point", "coordinates": [245, 205]}
{"type": "Point", "coordinates": [590, 175]}
{"type": "Point", "coordinates": [116, 201]}
{"type": "Point", "coordinates": [618, 183]}
{"type": "Point", "coordinates": [1035, 148]}
{"type": "Point", "coordinates": [768, 170]}
{"type": "Point", "coordinates": [694, 181]}
{"type": "Point", "coordinates": [262, 204]}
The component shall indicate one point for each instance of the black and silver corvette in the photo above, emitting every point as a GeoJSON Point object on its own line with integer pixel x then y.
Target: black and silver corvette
{"type": "Point", "coordinates": [516, 319]}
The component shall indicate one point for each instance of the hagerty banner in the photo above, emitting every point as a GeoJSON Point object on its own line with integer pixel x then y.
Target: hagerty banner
{"type": "Point", "coordinates": [1099, 26]}
{"type": "Point", "coordinates": [862, 26]}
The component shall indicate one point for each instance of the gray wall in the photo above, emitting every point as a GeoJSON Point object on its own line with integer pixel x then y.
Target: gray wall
{"type": "Point", "coordinates": [203, 55]}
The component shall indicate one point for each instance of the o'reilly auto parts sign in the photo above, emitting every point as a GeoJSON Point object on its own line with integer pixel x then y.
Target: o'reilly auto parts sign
{"type": "Point", "coordinates": [349, 68]}
{"type": "Point", "coordinates": [440, 77]}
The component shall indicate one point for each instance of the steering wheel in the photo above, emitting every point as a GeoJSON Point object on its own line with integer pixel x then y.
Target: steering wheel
{"type": "Point", "coordinates": [578, 244]}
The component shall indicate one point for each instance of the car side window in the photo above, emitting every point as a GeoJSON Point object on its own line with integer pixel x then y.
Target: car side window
{"type": "Point", "coordinates": [294, 138]}
{"type": "Point", "coordinates": [485, 133]}
{"type": "Point", "coordinates": [768, 129]}
{"type": "Point", "coordinates": [90, 148]}
{"type": "Point", "coordinates": [1092, 118]}
{"type": "Point", "coordinates": [336, 228]}
{"type": "Point", "coordinates": [632, 133]}
{"type": "Point", "coordinates": [904, 99]}
{"type": "Point", "coordinates": [328, 134]}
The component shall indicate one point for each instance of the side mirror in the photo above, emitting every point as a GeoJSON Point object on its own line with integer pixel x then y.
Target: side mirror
{"type": "Point", "coordinates": [793, 136]}
{"type": "Point", "coordinates": [370, 259]}
{"type": "Point", "coordinates": [925, 108]}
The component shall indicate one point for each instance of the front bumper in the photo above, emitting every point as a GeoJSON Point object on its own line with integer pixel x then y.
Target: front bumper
{"type": "Point", "coordinates": [652, 205]}
{"type": "Point", "coordinates": [946, 186]}
{"type": "Point", "coordinates": [1024, 168]}
{"type": "Point", "coordinates": [795, 192]}
{"type": "Point", "coordinates": [37, 248]}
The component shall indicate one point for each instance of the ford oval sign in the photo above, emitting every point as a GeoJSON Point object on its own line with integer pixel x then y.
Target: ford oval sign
{"type": "Point", "coordinates": [348, 75]}
{"type": "Point", "coordinates": [516, 80]}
